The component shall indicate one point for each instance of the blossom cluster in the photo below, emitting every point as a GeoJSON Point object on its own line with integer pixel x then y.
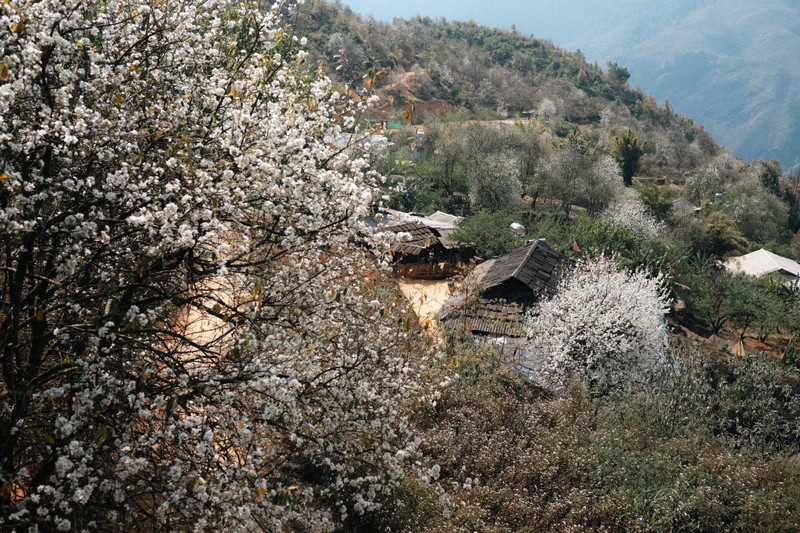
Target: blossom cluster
{"type": "Point", "coordinates": [188, 340]}
{"type": "Point", "coordinates": [630, 212]}
{"type": "Point", "coordinates": [603, 327]}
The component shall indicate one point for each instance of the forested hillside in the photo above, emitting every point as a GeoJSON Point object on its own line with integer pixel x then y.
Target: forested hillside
{"type": "Point", "coordinates": [727, 64]}
{"type": "Point", "coordinates": [495, 103]}
{"type": "Point", "coordinates": [487, 73]}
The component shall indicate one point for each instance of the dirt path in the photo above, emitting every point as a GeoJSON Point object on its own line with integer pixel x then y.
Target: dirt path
{"type": "Point", "coordinates": [426, 297]}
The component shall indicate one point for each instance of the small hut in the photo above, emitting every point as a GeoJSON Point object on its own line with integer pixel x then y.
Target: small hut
{"type": "Point", "coordinates": [424, 252]}
{"type": "Point", "coordinates": [498, 293]}
{"type": "Point", "coordinates": [422, 248]}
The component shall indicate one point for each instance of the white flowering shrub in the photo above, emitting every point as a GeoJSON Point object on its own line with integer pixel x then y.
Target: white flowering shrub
{"type": "Point", "coordinates": [601, 185]}
{"type": "Point", "coordinates": [757, 213]}
{"type": "Point", "coordinates": [603, 327]}
{"type": "Point", "coordinates": [630, 212]}
{"type": "Point", "coordinates": [495, 182]}
{"type": "Point", "coordinates": [702, 186]}
{"type": "Point", "coordinates": [189, 335]}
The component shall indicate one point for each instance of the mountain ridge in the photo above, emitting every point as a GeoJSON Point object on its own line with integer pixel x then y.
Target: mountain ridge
{"type": "Point", "coordinates": [728, 65]}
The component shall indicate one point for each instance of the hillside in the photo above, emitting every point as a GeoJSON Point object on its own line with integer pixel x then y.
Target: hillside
{"type": "Point", "coordinates": [498, 127]}
{"type": "Point", "coordinates": [473, 71]}
{"type": "Point", "coordinates": [728, 65]}
{"type": "Point", "coordinates": [731, 66]}
{"type": "Point", "coordinates": [424, 68]}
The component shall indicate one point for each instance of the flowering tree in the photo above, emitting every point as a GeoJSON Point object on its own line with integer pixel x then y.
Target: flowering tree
{"type": "Point", "coordinates": [604, 327]}
{"type": "Point", "coordinates": [757, 212]}
{"type": "Point", "coordinates": [577, 174]}
{"type": "Point", "coordinates": [495, 183]}
{"type": "Point", "coordinates": [631, 212]}
{"type": "Point", "coordinates": [599, 186]}
{"type": "Point", "coordinates": [187, 336]}
{"type": "Point", "coordinates": [701, 187]}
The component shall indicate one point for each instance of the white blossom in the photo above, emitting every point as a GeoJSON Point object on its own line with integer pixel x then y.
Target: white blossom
{"type": "Point", "coordinates": [630, 212]}
{"type": "Point", "coordinates": [495, 181]}
{"type": "Point", "coordinates": [193, 314]}
{"type": "Point", "coordinates": [603, 327]}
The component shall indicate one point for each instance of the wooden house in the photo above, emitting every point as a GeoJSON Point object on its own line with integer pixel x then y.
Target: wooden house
{"type": "Point", "coordinates": [498, 293]}
{"type": "Point", "coordinates": [423, 251]}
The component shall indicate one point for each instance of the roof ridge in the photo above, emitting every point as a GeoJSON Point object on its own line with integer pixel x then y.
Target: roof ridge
{"type": "Point", "coordinates": [525, 261]}
{"type": "Point", "coordinates": [774, 258]}
{"type": "Point", "coordinates": [763, 261]}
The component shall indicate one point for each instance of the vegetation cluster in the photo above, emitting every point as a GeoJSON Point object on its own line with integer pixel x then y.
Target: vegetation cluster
{"type": "Point", "coordinates": [535, 135]}
{"type": "Point", "coordinates": [585, 161]}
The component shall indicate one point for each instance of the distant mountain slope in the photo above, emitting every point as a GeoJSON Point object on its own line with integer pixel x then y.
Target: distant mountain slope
{"type": "Point", "coordinates": [735, 66]}
{"type": "Point", "coordinates": [732, 65]}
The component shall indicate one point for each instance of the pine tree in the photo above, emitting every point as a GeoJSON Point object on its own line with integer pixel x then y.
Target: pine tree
{"type": "Point", "coordinates": [628, 151]}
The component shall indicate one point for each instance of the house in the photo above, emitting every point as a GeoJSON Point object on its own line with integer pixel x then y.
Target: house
{"type": "Point", "coordinates": [499, 292]}
{"type": "Point", "coordinates": [423, 249]}
{"type": "Point", "coordinates": [763, 262]}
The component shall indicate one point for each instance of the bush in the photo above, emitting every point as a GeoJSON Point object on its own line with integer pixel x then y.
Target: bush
{"type": "Point", "coordinates": [748, 402]}
{"type": "Point", "coordinates": [489, 232]}
{"type": "Point", "coordinates": [514, 460]}
{"type": "Point", "coordinates": [600, 236]}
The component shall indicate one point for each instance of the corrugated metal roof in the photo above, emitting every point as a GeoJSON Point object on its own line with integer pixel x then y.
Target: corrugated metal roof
{"type": "Point", "coordinates": [438, 220]}
{"type": "Point", "coordinates": [441, 220]}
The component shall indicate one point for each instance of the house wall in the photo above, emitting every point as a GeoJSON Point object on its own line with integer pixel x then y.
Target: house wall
{"type": "Point", "coordinates": [512, 290]}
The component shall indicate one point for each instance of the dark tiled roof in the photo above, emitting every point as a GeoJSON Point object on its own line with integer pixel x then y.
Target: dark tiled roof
{"type": "Point", "coordinates": [421, 237]}
{"type": "Point", "coordinates": [486, 316]}
{"type": "Point", "coordinates": [533, 264]}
